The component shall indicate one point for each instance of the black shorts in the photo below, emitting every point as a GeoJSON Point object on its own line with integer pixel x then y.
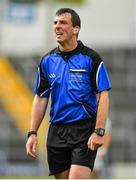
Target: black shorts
{"type": "Point", "coordinates": [67, 145]}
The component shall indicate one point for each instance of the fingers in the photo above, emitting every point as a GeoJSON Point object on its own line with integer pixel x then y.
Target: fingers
{"type": "Point", "coordinates": [34, 147]}
{"type": "Point", "coordinates": [31, 148]}
{"type": "Point", "coordinates": [30, 151]}
{"type": "Point", "coordinates": [94, 142]}
{"type": "Point", "coordinates": [91, 145]}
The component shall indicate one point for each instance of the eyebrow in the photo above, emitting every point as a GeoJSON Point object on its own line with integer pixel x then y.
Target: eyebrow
{"type": "Point", "coordinates": [61, 21]}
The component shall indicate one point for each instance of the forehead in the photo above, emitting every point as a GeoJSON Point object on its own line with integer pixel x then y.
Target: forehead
{"type": "Point", "coordinates": [64, 16]}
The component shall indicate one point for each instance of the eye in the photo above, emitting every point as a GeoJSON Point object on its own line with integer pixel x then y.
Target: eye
{"type": "Point", "coordinates": [55, 22]}
{"type": "Point", "coordinates": [64, 22]}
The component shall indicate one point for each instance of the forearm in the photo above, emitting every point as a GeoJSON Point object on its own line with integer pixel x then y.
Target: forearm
{"type": "Point", "coordinates": [38, 111]}
{"type": "Point", "coordinates": [103, 108]}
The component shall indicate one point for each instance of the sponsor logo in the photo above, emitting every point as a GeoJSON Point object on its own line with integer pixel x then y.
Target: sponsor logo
{"type": "Point", "coordinates": [52, 75]}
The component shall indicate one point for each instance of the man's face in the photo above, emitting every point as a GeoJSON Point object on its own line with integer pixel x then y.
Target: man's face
{"type": "Point", "coordinates": [63, 28]}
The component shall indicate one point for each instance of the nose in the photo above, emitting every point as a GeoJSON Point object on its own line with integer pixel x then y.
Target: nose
{"type": "Point", "coordinates": [57, 25]}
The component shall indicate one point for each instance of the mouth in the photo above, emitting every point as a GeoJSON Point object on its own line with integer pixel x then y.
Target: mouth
{"type": "Point", "coordinates": [59, 33]}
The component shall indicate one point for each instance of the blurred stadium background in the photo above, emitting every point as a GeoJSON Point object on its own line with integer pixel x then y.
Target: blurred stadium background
{"type": "Point", "coordinates": [26, 34]}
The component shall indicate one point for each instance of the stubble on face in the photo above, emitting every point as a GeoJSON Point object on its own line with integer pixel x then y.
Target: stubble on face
{"type": "Point", "coordinates": [63, 28]}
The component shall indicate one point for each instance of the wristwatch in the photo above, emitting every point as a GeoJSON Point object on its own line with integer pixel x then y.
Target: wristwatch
{"type": "Point", "coordinates": [30, 133]}
{"type": "Point", "coordinates": [99, 131]}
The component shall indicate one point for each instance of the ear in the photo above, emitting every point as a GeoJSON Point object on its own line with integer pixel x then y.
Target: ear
{"type": "Point", "coordinates": [76, 30]}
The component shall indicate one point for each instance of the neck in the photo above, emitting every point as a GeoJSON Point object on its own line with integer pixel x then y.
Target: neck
{"type": "Point", "coordinates": [68, 46]}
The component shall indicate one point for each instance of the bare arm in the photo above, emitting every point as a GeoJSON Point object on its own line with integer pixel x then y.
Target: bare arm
{"type": "Point", "coordinates": [103, 109]}
{"type": "Point", "coordinates": [38, 111]}
{"type": "Point", "coordinates": [96, 141]}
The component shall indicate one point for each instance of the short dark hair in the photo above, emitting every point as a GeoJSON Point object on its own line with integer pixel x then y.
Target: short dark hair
{"type": "Point", "coordinates": [75, 17]}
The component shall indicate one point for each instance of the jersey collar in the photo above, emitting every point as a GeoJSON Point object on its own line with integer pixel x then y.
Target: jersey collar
{"type": "Point", "coordinates": [67, 55]}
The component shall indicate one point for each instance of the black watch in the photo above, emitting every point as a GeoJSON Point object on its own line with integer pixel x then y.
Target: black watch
{"type": "Point", "coordinates": [99, 131]}
{"type": "Point", "coordinates": [30, 133]}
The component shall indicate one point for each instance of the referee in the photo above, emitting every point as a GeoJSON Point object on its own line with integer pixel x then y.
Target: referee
{"type": "Point", "coordinates": [74, 75]}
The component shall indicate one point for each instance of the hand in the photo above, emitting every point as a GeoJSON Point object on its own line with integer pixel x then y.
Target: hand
{"type": "Point", "coordinates": [31, 146]}
{"type": "Point", "coordinates": [95, 141]}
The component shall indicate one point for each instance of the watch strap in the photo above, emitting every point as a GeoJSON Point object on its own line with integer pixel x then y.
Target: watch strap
{"type": "Point", "coordinates": [30, 133]}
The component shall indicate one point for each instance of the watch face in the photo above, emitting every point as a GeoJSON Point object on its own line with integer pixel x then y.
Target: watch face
{"type": "Point", "coordinates": [100, 131]}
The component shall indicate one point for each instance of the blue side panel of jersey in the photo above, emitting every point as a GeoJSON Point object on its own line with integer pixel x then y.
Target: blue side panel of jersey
{"type": "Point", "coordinates": [71, 93]}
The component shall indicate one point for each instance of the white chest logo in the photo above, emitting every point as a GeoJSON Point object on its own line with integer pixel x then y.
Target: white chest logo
{"type": "Point", "coordinates": [52, 75]}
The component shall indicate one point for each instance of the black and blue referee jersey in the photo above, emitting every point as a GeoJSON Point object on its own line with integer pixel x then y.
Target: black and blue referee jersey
{"type": "Point", "coordinates": [73, 79]}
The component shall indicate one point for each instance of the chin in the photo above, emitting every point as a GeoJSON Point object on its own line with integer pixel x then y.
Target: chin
{"type": "Point", "coordinates": [59, 41]}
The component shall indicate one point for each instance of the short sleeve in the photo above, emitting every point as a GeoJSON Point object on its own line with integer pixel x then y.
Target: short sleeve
{"type": "Point", "coordinates": [102, 79]}
{"type": "Point", "coordinates": [99, 74]}
{"type": "Point", "coordinates": [42, 87]}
